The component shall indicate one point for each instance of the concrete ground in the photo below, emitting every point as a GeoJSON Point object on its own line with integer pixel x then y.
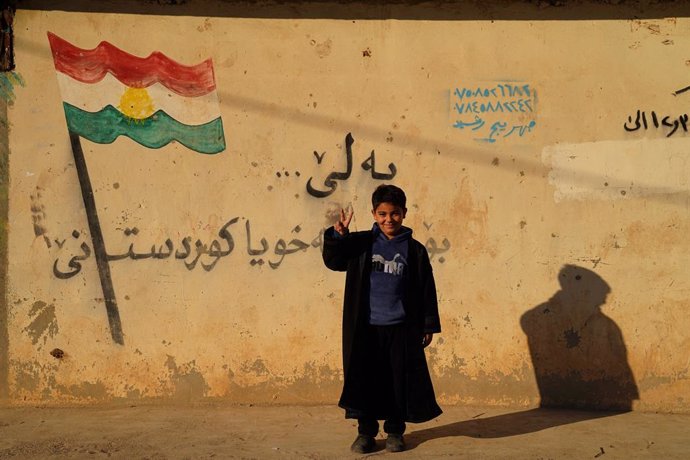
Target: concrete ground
{"type": "Point", "coordinates": [320, 432]}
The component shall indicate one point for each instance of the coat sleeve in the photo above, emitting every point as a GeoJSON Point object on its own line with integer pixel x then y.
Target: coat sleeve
{"type": "Point", "coordinates": [337, 250]}
{"type": "Point", "coordinates": [432, 322]}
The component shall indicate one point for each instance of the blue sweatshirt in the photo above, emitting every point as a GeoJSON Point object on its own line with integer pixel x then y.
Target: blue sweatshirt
{"type": "Point", "coordinates": [388, 272]}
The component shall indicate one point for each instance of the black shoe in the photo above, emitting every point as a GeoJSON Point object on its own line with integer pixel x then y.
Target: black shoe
{"type": "Point", "coordinates": [364, 444]}
{"type": "Point", "coordinates": [395, 443]}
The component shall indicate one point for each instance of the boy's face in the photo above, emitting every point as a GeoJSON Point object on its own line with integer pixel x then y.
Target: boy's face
{"type": "Point", "coordinates": [389, 218]}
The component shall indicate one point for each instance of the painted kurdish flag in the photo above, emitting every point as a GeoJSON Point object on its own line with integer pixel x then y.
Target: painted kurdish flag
{"type": "Point", "coordinates": [108, 93]}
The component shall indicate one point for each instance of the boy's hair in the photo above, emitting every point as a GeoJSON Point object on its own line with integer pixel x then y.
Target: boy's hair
{"type": "Point", "coordinates": [388, 194]}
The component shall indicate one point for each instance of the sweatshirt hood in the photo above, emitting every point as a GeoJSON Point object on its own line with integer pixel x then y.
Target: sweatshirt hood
{"type": "Point", "coordinates": [404, 234]}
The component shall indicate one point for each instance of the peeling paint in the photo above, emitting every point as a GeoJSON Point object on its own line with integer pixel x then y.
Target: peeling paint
{"type": "Point", "coordinates": [312, 383]}
{"type": "Point", "coordinates": [188, 382]}
{"type": "Point", "coordinates": [257, 367]}
{"type": "Point", "coordinates": [85, 390]}
{"type": "Point", "coordinates": [27, 375]}
{"type": "Point", "coordinates": [44, 324]}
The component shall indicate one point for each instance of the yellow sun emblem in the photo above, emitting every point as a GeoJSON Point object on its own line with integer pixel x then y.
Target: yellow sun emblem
{"type": "Point", "coordinates": [136, 104]}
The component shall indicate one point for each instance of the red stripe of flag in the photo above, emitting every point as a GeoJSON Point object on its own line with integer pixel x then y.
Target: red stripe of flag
{"type": "Point", "coordinates": [90, 66]}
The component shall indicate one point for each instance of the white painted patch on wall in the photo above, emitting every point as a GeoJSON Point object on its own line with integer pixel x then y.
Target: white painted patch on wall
{"type": "Point", "coordinates": [611, 170]}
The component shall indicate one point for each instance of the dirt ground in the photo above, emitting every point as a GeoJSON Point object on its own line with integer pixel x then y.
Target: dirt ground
{"type": "Point", "coordinates": [321, 432]}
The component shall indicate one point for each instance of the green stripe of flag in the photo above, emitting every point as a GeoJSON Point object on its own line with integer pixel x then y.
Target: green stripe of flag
{"type": "Point", "coordinates": [159, 129]}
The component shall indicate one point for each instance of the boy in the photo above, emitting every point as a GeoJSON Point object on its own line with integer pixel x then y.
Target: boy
{"type": "Point", "coordinates": [390, 314]}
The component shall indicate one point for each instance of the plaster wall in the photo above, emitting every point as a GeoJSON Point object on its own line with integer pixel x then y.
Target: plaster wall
{"type": "Point", "coordinates": [554, 207]}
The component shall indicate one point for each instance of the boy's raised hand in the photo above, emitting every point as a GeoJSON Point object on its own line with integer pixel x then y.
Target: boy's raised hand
{"type": "Point", "coordinates": [344, 222]}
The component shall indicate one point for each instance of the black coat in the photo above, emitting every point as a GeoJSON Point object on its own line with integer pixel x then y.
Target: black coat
{"type": "Point", "coordinates": [352, 253]}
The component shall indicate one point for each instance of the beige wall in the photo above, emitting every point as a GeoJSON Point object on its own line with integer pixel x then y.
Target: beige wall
{"type": "Point", "coordinates": [563, 188]}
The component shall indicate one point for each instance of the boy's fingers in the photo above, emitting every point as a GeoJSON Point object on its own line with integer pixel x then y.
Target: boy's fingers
{"type": "Point", "coordinates": [340, 228]}
{"type": "Point", "coordinates": [351, 212]}
{"type": "Point", "coordinates": [346, 218]}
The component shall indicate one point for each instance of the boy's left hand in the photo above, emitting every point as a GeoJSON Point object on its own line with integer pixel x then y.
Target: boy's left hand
{"type": "Point", "coordinates": [426, 340]}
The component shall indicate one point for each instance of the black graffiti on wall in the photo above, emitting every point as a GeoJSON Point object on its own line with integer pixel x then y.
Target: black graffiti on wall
{"type": "Point", "coordinates": [435, 250]}
{"type": "Point", "coordinates": [652, 120]}
{"type": "Point", "coordinates": [207, 254]}
{"type": "Point", "coordinates": [200, 253]}
{"type": "Point", "coordinates": [331, 179]}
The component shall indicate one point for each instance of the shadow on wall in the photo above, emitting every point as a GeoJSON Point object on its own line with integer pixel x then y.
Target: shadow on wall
{"type": "Point", "coordinates": [579, 358]}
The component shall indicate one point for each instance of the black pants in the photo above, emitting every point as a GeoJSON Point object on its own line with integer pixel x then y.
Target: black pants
{"type": "Point", "coordinates": [370, 427]}
{"type": "Point", "coordinates": [386, 346]}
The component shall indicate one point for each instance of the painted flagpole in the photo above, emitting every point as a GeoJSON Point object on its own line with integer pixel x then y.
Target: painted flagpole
{"type": "Point", "coordinates": [87, 79]}
{"type": "Point", "coordinates": [97, 240]}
